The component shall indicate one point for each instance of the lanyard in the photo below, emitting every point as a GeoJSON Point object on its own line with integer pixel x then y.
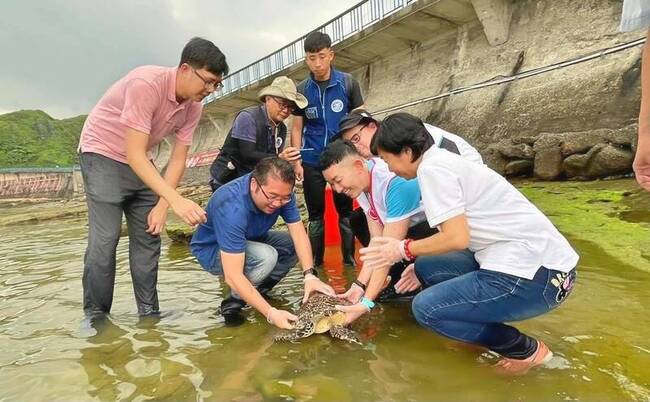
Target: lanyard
{"type": "Point", "coordinates": [274, 128]}
{"type": "Point", "coordinates": [373, 210]}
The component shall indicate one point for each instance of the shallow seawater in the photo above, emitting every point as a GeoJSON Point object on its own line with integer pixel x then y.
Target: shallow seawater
{"type": "Point", "coordinates": [48, 352]}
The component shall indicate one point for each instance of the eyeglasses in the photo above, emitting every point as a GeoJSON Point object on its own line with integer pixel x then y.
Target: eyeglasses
{"type": "Point", "coordinates": [271, 199]}
{"type": "Point", "coordinates": [356, 137]}
{"type": "Point", "coordinates": [283, 104]}
{"type": "Point", "coordinates": [207, 83]}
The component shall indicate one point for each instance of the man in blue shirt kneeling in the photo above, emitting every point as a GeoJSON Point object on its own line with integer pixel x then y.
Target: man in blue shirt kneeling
{"type": "Point", "coordinates": [236, 241]}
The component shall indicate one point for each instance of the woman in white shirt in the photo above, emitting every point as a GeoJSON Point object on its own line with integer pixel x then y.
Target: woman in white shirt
{"type": "Point", "coordinates": [516, 266]}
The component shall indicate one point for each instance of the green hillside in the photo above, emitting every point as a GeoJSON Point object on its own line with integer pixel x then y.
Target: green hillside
{"type": "Point", "coordinates": [31, 138]}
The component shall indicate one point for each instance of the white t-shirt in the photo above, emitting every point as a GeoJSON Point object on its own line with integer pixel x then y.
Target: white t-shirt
{"type": "Point", "coordinates": [635, 15]}
{"type": "Point", "coordinates": [466, 151]}
{"type": "Point", "coordinates": [507, 232]}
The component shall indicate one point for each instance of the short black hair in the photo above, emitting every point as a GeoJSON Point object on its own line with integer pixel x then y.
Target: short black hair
{"type": "Point", "coordinates": [399, 131]}
{"type": "Point", "coordinates": [317, 41]}
{"type": "Point", "coordinates": [201, 53]}
{"type": "Point", "coordinates": [335, 152]}
{"type": "Point", "coordinates": [275, 166]}
{"type": "Point", "coordinates": [373, 141]}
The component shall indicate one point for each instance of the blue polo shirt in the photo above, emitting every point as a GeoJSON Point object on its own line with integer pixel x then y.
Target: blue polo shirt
{"type": "Point", "coordinates": [233, 219]}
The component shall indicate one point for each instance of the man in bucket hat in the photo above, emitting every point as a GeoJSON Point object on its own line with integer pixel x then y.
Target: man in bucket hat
{"type": "Point", "coordinates": [258, 132]}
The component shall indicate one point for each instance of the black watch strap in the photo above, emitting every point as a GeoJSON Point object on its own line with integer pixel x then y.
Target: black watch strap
{"type": "Point", "coordinates": [360, 284]}
{"type": "Point", "coordinates": [310, 271]}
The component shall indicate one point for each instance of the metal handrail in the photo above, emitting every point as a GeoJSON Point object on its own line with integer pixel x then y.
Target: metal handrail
{"type": "Point", "coordinates": [341, 27]}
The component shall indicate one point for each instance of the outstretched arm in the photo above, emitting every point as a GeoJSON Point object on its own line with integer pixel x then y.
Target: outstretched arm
{"type": "Point", "coordinates": [641, 163]}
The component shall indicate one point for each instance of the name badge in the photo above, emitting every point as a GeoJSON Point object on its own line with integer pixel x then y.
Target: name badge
{"type": "Point", "coordinates": [311, 112]}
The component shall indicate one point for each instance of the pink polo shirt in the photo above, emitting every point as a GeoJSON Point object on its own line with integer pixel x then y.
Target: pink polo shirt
{"type": "Point", "coordinates": [144, 100]}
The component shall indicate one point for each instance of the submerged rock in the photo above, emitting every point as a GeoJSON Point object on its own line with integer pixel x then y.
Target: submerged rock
{"type": "Point", "coordinates": [179, 233]}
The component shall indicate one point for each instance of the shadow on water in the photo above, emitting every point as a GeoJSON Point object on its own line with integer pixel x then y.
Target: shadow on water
{"type": "Point", "coordinates": [598, 336]}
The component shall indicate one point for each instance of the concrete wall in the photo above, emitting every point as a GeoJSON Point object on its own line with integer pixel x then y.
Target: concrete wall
{"type": "Point", "coordinates": [597, 99]}
{"type": "Point", "coordinates": [579, 113]}
{"type": "Point", "coordinates": [21, 183]}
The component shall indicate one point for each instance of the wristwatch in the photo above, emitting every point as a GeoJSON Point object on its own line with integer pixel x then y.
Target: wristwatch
{"type": "Point", "coordinates": [310, 271]}
{"type": "Point", "coordinates": [367, 302]}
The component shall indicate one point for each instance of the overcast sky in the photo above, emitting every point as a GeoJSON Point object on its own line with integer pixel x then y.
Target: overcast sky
{"type": "Point", "coordinates": [61, 55]}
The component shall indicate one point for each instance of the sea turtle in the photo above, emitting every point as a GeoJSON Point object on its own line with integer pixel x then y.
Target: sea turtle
{"type": "Point", "coordinates": [317, 316]}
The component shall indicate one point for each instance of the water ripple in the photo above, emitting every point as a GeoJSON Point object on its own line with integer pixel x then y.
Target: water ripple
{"type": "Point", "coordinates": [50, 353]}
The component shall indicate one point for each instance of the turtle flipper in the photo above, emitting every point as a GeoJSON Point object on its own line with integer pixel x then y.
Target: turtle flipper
{"type": "Point", "coordinates": [302, 330]}
{"type": "Point", "coordinates": [286, 336]}
{"type": "Point", "coordinates": [345, 334]}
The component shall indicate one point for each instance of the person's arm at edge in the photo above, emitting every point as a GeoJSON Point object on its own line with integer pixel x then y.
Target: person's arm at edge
{"type": "Point", "coordinates": [641, 163]}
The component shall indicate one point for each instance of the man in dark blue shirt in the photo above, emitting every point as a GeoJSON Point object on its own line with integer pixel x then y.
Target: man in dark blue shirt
{"type": "Point", "coordinates": [331, 94]}
{"type": "Point", "coordinates": [237, 243]}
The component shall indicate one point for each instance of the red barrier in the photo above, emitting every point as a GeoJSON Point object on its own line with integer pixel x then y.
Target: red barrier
{"type": "Point", "coordinates": [201, 158]}
{"type": "Point", "coordinates": [332, 235]}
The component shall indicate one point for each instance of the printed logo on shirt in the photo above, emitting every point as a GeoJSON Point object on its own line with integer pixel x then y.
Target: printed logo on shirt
{"type": "Point", "coordinates": [278, 142]}
{"type": "Point", "coordinates": [311, 112]}
{"type": "Point", "coordinates": [337, 105]}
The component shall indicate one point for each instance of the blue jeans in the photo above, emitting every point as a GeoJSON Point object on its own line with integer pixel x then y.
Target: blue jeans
{"type": "Point", "coordinates": [268, 257]}
{"type": "Point", "coordinates": [465, 303]}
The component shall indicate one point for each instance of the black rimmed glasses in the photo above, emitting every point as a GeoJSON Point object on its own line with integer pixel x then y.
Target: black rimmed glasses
{"type": "Point", "coordinates": [356, 137]}
{"type": "Point", "coordinates": [208, 83]}
{"type": "Point", "coordinates": [284, 104]}
{"type": "Point", "coordinates": [274, 198]}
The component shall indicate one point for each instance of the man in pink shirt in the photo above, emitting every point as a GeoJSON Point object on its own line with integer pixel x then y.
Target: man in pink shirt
{"type": "Point", "coordinates": [134, 115]}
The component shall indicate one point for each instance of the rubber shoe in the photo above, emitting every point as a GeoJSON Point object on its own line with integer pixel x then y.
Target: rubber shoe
{"type": "Point", "coordinates": [520, 367]}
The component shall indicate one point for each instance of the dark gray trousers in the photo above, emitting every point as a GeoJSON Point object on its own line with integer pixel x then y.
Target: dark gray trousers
{"type": "Point", "coordinates": [113, 188]}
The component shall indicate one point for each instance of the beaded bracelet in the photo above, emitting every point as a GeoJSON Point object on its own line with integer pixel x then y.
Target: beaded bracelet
{"type": "Point", "coordinates": [407, 251]}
